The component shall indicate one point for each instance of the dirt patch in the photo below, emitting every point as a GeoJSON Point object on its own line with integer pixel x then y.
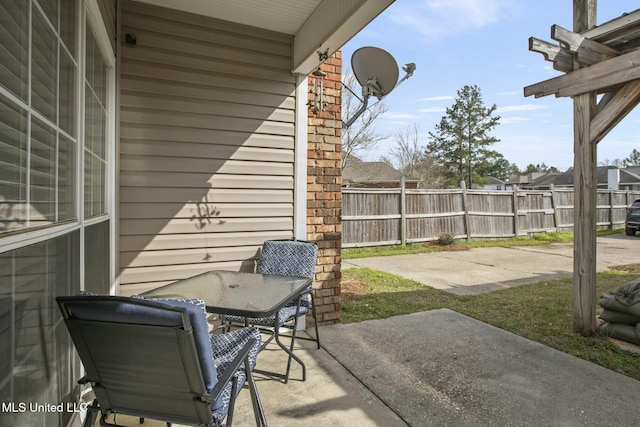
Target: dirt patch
{"type": "Point", "coordinates": [351, 288]}
{"type": "Point", "coordinates": [629, 268]}
{"type": "Point", "coordinates": [452, 247]}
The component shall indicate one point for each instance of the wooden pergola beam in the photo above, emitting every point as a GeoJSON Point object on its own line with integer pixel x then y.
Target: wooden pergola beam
{"type": "Point", "coordinates": [588, 52]}
{"type": "Point", "coordinates": [596, 78]}
{"type": "Point", "coordinates": [615, 108]}
{"type": "Point", "coordinates": [572, 46]}
{"type": "Point", "coordinates": [615, 29]}
{"type": "Point", "coordinates": [561, 58]}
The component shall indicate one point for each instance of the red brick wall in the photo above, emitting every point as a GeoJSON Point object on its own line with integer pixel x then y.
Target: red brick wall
{"type": "Point", "coordinates": [324, 180]}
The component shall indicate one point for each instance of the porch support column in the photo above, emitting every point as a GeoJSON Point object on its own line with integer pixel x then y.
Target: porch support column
{"type": "Point", "coordinates": [584, 217]}
{"type": "Point", "coordinates": [585, 192]}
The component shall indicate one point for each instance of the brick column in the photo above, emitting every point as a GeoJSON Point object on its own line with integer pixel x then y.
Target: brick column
{"type": "Point", "coordinates": [324, 180]}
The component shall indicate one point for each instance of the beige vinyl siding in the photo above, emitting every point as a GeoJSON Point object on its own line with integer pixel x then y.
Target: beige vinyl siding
{"type": "Point", "coordinates": [206, 145]}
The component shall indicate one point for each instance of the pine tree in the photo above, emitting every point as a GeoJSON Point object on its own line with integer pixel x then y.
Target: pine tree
{"type": "Point", "coordinates": [461, 139]}
{"type": "Point", "coordinates": [633, 159]}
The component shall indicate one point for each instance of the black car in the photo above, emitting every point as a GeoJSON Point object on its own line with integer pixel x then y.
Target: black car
{"type": "Point", "coordinates": [632, 223]}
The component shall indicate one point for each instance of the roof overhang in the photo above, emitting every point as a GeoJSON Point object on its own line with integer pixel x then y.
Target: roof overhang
{"type": "Point", "coordinates": [317, 26]}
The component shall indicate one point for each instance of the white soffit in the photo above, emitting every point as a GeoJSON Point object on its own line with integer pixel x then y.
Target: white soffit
{"type": "Point", "coordinates": [315, 25]}
{"type": "Point", "coordinates": [283, 16]}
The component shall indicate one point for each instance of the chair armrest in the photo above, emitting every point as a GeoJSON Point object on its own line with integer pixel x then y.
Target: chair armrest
{"type": "Point", "coordinates": [229, 372]}
{"type": "Point", "coordinates": [216, 328]}
{"type": "Point", "coordinates": [86, 380]}
{"type": "Point", "coordinates": [307, 292]}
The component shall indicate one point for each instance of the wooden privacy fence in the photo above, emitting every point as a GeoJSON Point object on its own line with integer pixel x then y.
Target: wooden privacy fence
{"type": "Point", "coordinates": [372, 217]}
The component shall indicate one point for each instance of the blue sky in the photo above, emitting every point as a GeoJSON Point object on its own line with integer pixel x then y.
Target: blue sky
{"type": "Point", "coordinates": [485, 43]}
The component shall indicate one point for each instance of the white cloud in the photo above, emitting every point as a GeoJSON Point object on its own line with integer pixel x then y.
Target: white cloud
{"type": "Point", "coordinates": [434, 19]}
{"type": "Point", "coordinates": [477, 12]}
{"type": "Point", "coordinates": [400, 116]}
{"type": "Point", "coordinates": [509, 120]}
{"type": "Point", "coordinates": [438, 98]}
{"type": "Point", "coordinates": [433, 110]}
{"type": "Point", "coordinates": [525, 107]}
{"type": "Point", "coordinates": [511, 93]}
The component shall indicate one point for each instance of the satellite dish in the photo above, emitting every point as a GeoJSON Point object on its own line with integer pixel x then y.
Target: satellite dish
{"type": "Point", "coordinates": [377, 72]}
{"type": "Point", "coordinates": [377, 66]}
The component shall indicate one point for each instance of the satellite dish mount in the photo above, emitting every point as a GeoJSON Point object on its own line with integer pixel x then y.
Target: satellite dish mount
{"type": "Point", "coordinates": [377, 72]}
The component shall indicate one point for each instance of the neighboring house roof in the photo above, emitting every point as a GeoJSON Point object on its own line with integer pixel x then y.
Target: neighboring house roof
{"type": "Point", "coordinates": [630, 175]}
{"type": "Point", "coordinates": [565, 179]}
{"type": "Point", "coordinates": [495, 181]}
{"type": "Point", "coordinates": [358, 171]}
{"type": "Point", "coordinates": [524, 179]}
{"type": "Point", "coordinates": [560, 179]}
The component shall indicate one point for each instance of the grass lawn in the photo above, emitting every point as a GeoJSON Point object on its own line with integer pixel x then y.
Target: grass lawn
{"type": "Point", "coordinates": [541, 312]}
{"type": "Point", "coordinates": [415, 248]}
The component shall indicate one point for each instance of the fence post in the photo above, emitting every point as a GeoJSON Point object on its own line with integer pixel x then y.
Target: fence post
{"type": "Point", "coordinates": [465, 204]}
{"type": "Point", "coordinates": [611, 209]}
{"type": "Point", "coordinates": [515, 211]}
{"type": "Point", "coordinates": [403, 211]}
{"type": "Point", "coordinates": [554, 206]}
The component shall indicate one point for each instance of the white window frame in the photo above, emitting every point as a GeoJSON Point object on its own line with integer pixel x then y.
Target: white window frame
{"type": "Point", "coordinates": [91, 12]}
{"type": "Point", "coordinates": [88, 10]}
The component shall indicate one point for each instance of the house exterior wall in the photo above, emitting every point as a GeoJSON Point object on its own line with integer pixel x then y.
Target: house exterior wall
{"type": "Point", "coordinates": [206, 160]}
{"type": "Point", "coordinates": [324, 181]}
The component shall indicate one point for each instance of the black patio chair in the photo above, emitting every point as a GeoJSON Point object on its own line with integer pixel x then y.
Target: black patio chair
{"type": "Point", "coordinates": [156, 360]}
{"type": "Point", "coordinates": [286, 258]}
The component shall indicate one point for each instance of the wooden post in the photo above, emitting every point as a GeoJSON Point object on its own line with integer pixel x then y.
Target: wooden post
{"type": "Point", "coordinates": [515, 211]}
{"type": "Point", "coordinates": [611, 208]}
{"type": "Point", "coordinates": [554, 205]}
{"type": "Point", "coordinates": [584, 15]}
{"type": "Point", "coordinates": [585, 192]}
{"type": "Point", "coordinates": [465, 204]}
{"type": "Point", "coordinates": [403, 211]}
{"type": "Point", "coordinates": [584, 218]}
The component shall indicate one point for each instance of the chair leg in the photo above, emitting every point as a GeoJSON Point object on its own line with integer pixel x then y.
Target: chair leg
{"type": "Point", "coordinates": [289, 351]}
{"type": "Point", "coordinates": [315, 320]}
{"type": "Point", "coordinates": [92, 414]}
{"type": "Point", "coordinates": [268, 340]}
{"type": "Point", "coordinates": [293, 340]}
{"type": "Point", "coordinates": [258, 411]}
{"type": "Point", "coordinates": [232, 401]}
{"type": "Point", "coordinates": [291, 346]}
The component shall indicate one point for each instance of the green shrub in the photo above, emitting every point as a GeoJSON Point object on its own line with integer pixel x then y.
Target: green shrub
{"type": "Point", "coordinates": [446, 239]}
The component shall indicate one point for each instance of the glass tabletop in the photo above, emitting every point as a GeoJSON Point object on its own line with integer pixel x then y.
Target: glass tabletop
{"type": "Point", "coordinates": [232, 292]}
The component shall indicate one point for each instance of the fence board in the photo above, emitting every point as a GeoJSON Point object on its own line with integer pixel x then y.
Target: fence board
{"type": "Point", "coordinates": [372, 217]}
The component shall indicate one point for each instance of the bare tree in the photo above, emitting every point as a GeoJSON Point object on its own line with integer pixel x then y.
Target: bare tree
{"type": "Point", "coordinates": [410, 157]}
{"type": "Point", "coordinates": [407, 152]}
{"type": "Point", "coordinates": [362, 135]}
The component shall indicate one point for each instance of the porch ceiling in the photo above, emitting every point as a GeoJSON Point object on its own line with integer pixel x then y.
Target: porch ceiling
{"type": "Point", "coordinates": [316, 25]}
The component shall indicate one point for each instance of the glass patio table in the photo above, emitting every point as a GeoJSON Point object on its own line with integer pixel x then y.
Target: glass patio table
{"type": "Point", "coordinates": [241, 294]}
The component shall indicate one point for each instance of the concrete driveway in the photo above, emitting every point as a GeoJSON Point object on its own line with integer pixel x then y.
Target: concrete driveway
{"type": "Point", "coordinates": [487, 269]}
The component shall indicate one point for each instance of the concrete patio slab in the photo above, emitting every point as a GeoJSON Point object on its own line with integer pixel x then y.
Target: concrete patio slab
{"type": "Point", "coordinates": [330, 396]}
{"type": "Point", "coordinates": [441, 368]}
